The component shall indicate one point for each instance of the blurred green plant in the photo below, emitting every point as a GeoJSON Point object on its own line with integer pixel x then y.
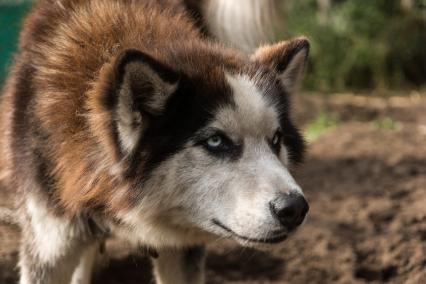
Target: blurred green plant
{"type": "Point", "coordinates": [11, 14]}
{"type": "Point", "coordinates": [361, 44]}
{"type": "Point", "coordinates": [319, 125]}
{"type": "Point", "coordinates": [386, 123]}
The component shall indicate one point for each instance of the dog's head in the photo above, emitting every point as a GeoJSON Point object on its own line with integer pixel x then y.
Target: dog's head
{"type": "Point", "coordinates": [205, 141]}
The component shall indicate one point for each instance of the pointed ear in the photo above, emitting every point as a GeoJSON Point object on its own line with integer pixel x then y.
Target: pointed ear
{"type": "Point", "coordinates": [287, 58]}
{"type": "Point", "coordinates": [139, 89]}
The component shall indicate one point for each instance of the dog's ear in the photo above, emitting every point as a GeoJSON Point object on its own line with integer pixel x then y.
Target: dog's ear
{"type": "Point", "coordinates": [143, 86]}
{"type": "Point", "coordinates": [131, 91]}
{"type": "Point", "coordinates": [287, 58]}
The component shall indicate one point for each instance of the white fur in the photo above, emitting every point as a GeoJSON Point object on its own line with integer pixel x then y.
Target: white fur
{"type": "Point", "coordinates": [244, 24]}
{"type": "Point", "coordinates": [50, 245]}
{"type": "Point", "coordinates": [51, 234]}
{"type": "Point", "coordinates": [254, 116]}
{"type": "Point", "coordinates": [25, 279]}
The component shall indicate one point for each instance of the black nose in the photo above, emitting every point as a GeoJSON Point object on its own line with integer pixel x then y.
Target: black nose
{"type": "Point", "coordinates": [290, 209]}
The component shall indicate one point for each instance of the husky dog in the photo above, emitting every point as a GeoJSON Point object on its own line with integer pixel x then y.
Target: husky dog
{"type": "Point", "coordinates": [154, 122]}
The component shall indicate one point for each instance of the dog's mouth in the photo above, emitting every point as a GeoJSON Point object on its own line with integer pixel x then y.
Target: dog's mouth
{"type": "Point", "coordinates": [277, 238]}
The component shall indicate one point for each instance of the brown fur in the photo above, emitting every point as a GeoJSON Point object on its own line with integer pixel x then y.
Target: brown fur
{"type": "Point", "coordinates": [69, 47]}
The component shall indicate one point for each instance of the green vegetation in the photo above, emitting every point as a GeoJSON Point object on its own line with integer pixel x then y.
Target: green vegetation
{"type": "Point", "coordinates": [386, 123]}
{"type": "Point", "coordinates": [319, 125]}
{"type": "Point", "coordinates": [360, 44]}
{"type": "Point", "coordinates": [11, 13]}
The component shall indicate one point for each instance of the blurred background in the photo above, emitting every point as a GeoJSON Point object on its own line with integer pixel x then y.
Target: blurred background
{"type": "Point", "coordinates": [361, 45]}
{"type": "Point", "coordinates": [356, 45]}
{"type": "Point", "coordinates": [362, 108]}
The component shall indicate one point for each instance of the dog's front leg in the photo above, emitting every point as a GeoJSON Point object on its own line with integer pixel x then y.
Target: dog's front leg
{"type": "Point", "coordinates": [83, 272]}
{"type": "Point", "coordinates": [184, 266]}
{"type": "Point", "coordinates": [51, 244]}
{"type": "Point", "coordinates": [48, 257]}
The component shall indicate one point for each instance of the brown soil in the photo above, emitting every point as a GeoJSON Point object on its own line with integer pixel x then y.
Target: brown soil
{"type": "Point", "coordinates": [367, 191]}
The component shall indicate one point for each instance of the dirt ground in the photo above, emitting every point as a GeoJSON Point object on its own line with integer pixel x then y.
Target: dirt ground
{"type": "Point", "coordinates": [366, 184]}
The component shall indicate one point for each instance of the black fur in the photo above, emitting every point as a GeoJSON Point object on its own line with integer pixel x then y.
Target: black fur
{"type": "Point", "coordinates": [142, 92]}
{"type": "Point", "coordinates": [194, 259]}
{"type": "Point", "coordinates": [189, 109]}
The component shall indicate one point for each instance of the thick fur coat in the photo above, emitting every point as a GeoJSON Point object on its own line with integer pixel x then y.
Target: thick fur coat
{"type": "Point", "coordinates": [142, 120]}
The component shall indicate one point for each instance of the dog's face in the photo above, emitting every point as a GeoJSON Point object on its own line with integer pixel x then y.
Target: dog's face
{"type": "Point", "coordinates": [209, 153]}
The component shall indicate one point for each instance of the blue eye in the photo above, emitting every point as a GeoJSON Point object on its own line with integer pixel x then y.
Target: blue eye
{"type": "Point", "coordinates": [220, 146]}
{"type": "Point", "coordinates": [214, 141]}
{"type": "Point", "coordinates": [276, 140]}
